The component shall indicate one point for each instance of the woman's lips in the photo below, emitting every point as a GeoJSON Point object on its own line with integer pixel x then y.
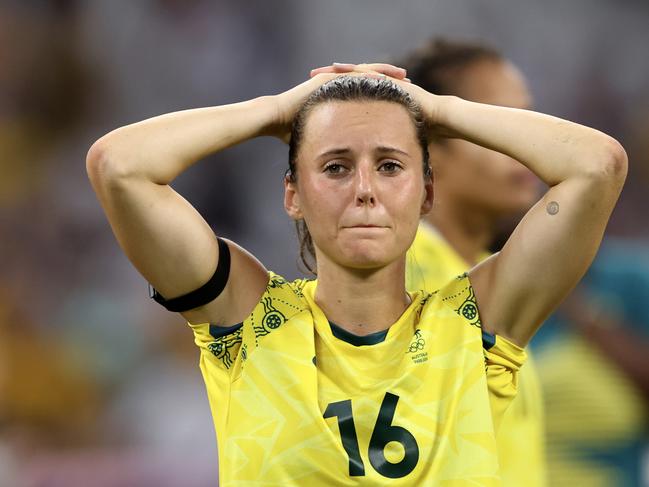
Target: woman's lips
{"type": "Point", "coordinates": [364, 225]}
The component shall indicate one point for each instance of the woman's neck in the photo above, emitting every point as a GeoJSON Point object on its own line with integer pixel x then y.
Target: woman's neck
{"type": "Point", "coordinates": [468, 230]}
{"type": "Point", "coordinates": [362, 301]}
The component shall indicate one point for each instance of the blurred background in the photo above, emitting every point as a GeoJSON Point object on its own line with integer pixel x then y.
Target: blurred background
{"type": "Point", "coordinates": [98, 384]}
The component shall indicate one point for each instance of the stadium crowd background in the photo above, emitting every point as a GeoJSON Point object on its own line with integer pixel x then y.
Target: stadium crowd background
{"type": "Point", "coordinates": [98, 384]}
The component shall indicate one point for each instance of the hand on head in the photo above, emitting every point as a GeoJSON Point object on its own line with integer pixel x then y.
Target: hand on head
{"type": "Point", "coordinates": [372, 70]}
{"type": "Point", "coordinates": [289, 102]}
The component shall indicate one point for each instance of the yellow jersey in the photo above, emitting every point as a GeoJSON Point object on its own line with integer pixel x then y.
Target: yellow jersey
{"type": "Point", "coordinates": [431, 262]}
{"type": "Point", "coordinates": [298, 401]}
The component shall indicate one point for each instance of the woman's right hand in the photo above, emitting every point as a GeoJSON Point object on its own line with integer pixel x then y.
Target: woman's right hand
{"type": "Point", "coordinates": [289, 102]}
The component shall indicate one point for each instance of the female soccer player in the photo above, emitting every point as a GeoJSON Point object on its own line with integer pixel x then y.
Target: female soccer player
{"type": "Point", "coordinates": [351, 380]}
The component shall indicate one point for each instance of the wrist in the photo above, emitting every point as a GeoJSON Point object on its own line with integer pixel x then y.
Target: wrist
{"type": "Point", "coordinates": [267, 112]}
{"type": "Point", "coordinates": [438, 111]}
{"type": "Point", "coordinates": [442, 108]}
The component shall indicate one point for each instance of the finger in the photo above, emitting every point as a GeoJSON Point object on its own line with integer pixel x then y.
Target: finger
{"type": "Point", "coordinates": [334, 68]}
{"type": "Point", "coordinates": [387, 69]}
{"type": "Point", "coordinates": [371, 74]}
{"type": "Point", "coordinates": [322, 69]}
{"type": "Point", "coordinates": [344, 67]}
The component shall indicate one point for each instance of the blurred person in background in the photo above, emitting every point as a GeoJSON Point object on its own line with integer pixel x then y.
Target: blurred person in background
{"type": "Point", "coordinates": [475, 190]}
{"type": "Point", "coordinates": [593, 358]}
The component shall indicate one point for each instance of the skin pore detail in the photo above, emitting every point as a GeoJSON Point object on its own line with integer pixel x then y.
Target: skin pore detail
{"type": "Point", "coordinates": [552, 208]}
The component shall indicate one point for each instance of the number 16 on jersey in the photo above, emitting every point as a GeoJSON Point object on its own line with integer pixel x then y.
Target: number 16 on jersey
{"type": "Point", "coordinates": [384, 432]}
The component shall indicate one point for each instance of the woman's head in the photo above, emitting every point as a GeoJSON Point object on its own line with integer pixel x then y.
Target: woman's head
{"type": "Point", "coordinates": [358, 171]}
{"type": "Point", "coordinates": [467, 173]}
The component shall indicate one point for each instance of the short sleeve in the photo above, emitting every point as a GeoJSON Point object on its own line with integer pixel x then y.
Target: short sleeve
{"type": "Point", "coordinates": [503, 361]}
{"type": "Point", "coordinates": [226, 349]}
{"type": "Point", "coordinates": [224, 344]}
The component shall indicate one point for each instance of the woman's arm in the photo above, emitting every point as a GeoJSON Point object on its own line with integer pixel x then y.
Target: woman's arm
{"type": "Point", "coordinates": [556, 241]}
{"type": "Point", "coordinates": [165, 238]}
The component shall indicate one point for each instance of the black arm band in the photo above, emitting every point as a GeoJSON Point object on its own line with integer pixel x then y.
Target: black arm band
{"type": "Point", "coordinates": [204, 294]}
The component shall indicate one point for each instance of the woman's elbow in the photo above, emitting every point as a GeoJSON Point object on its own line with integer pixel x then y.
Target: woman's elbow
{"type": "Point", "coordinates": [617, 161]}
{"type": "Point", "coordinates": [102, 165]}
{"type": "Point", "coordinates": [95, 160]}
{"type": "Point", "coordinates": [610, 164]}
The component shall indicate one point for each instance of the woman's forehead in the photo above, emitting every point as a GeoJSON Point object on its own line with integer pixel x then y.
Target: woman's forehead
{"type": "Point", "coordinates": [340, 123]}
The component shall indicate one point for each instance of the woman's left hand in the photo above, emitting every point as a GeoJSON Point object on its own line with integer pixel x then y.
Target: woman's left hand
{"type": "Point", "coordinates": [371, 69]}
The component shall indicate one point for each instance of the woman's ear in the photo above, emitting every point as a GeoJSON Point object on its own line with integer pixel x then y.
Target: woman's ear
{"type": "Point", "coordinates": [438, 152]}
{"type": "Point", "coordinates": [292, 199]}
{"type": "Point", "coordinates": [427, 202]}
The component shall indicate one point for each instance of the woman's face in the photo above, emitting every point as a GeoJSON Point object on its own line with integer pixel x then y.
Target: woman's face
{"type": "Point", "coordinates": [474, 176]}
{"type": "Point", "coordinates": [360, 186]}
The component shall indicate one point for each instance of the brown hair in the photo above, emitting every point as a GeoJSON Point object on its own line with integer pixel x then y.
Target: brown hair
{"type": "Point", "coordinates": [348, 88]}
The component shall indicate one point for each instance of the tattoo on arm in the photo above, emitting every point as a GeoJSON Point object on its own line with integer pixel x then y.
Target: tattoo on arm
{"type": "Point", "coordinates": [552, 208]}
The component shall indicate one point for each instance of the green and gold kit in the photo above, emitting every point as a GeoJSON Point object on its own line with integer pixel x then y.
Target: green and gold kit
{"type": "Point", "coordinates": [298, 401]}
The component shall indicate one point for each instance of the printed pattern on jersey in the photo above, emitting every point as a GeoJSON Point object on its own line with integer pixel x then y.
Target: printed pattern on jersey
{"type": "Point", "coordinates": [280, 301]}
{"type": "Point", "coordinates": [224, 347]}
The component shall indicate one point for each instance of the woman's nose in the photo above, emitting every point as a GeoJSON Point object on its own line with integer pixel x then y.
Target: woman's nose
{"type": "Point", "coordinates": [364, 186]}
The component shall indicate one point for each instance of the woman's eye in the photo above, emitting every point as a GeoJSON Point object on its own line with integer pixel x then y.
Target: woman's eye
{"type": "Point", "coordinates": [389, 166]}
{"type": "Point", "coordinates": [334, 168]}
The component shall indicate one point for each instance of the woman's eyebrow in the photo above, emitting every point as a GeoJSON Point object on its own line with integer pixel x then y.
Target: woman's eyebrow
{"type": "Point", "coordinates": [382, 149]}
{"type": "Point", "coordinates": [335, 152]}
{"type": "Point", "coordinates": [388, 149]}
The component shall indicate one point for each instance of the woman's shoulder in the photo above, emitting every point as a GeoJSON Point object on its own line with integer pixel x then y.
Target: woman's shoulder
{"type": "Point", "coordinates": [458, 295]}
{"type": "Point", "coordinates": [294, 290]}
{"type": "Point", "coordinates": [280, 301]}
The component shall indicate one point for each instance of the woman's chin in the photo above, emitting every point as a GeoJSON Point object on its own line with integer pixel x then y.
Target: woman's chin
{"type": "Point", "coordinates": [368, 259]}
{"type": "Point", "coordinates": [365, 254]}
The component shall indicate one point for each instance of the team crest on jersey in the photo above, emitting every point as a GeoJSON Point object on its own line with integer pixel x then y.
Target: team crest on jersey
{"type": "Point", "coordinates": [222, 346]}
{"type": "Point", "coordinates": [416, 348]}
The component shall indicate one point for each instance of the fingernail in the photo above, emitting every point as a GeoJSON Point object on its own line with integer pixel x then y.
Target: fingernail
{"type": "Point", "coordinates": [408, 80]}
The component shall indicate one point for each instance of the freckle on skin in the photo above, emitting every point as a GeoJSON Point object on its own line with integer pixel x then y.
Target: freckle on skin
{"type": "Point", "coordinates": [552, 208]}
